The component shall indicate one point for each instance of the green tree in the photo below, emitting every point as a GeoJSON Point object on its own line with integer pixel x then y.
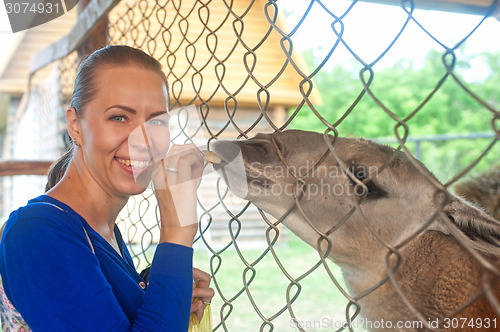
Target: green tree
{"type": "Point", "coordinates": [404, 89]}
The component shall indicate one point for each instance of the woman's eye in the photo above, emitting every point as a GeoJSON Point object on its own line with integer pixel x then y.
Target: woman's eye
{"type": "Point", "coordinates": [157, 122]}
{"type": "Point", "coordinates": [118, 118]}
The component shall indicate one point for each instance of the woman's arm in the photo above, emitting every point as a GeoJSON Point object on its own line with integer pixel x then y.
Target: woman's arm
{"type": "Point", "coordinates": [55, 281]}
{"type": "Point", "coordinates": [175, 189]}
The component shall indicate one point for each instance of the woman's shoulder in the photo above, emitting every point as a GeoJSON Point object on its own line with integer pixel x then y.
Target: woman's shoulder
{"type": "Point", "coordinates": [41, 207]}
{"type": "Point", "coordinates": [43, 204]}
{"type": "Point", "coordinates": [42, 214]}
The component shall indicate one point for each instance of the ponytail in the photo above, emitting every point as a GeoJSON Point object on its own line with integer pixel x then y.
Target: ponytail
{"type": "Point", "coordinates": [57, 169]}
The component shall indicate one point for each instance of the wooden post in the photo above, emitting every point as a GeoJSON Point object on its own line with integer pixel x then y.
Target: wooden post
{"type": "Point", "coordinates": [280, 115]}
{"type": "Point", "coordinates": [97, 39]}
{"type": "Point", "coordinates": [24, 167]}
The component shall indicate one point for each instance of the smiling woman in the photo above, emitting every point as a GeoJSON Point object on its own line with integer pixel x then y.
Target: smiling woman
{"type": "Point", "coordinates": [65, 265]}
{"type": "Point", "coordinates": [109, 118]}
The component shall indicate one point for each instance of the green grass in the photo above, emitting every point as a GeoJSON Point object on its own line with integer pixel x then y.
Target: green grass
{"type": "Point", "coordinates": [318, 305]}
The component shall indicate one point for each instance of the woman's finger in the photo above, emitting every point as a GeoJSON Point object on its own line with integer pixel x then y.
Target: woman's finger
{"type": "Point", "coordinates": [178, 159]}
{"type": "Point", "coordinates": [201, 278]}
{"type": "Point", "coordinates": [183, 163]}
{"type": "Point", "coordinates": [198, 308]}
{"type": "Point", "coordinates": [190, 167]}
{"type": "Point", "coordinates": [204, 294]}
{"type": "Point", "coordinates": [179, 150]}
{"type": "Point", "coordinates": [202, 290]}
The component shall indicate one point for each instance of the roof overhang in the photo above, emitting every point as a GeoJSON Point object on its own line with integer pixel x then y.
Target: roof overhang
{"type": "Point", "coordinates": [36, 47]}
{"type": "Point", "coordinates": [15, 69]}
{"type": "Point", "coordinates": [473, 7]}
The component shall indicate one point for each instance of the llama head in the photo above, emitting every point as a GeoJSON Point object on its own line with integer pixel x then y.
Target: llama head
{"type": "Point", "coordinates": [362, 195]}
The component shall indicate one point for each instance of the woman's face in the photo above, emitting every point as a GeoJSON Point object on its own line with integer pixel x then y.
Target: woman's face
{"type": "Point", "coordinates": [124, 128]}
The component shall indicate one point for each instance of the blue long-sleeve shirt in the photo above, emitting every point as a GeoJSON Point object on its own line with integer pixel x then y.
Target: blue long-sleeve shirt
{"type": "Point", "coordinates": [57, 283]}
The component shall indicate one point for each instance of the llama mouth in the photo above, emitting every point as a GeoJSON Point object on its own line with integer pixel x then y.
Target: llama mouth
{"type": "Point", "coordinates": [135, 164]}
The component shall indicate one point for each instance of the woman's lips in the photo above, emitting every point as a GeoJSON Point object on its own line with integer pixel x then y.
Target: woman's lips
{"type": "Point", "coordinates": [137, 164]}
{"type": "Point", "coordinates": [134, 167]}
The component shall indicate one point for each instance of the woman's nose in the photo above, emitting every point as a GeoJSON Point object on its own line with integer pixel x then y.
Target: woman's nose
{"type": "Point", "coordinates": [139, 139]}
{"type": "Point", "coordinates": [144, 139]}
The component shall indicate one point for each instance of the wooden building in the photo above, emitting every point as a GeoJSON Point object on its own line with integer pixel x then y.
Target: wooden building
{"type": "Point", "coordinates": [230, 63]}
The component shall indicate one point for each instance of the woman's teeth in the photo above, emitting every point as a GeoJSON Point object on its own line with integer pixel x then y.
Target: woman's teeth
{"type": "Point", "coordinates": [134, 163]}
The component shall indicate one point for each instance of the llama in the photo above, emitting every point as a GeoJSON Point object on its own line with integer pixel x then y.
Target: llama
{"type": "Point", "coordinates": [483, 190]}
{"type": "Point", "coordinates": [388, 221]}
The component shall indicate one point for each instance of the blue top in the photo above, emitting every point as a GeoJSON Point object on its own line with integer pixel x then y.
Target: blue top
{"type": "Point", "coordinates": [57, 283]}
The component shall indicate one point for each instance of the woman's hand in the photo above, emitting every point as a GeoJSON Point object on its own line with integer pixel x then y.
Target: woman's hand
{"type": "Point", "coordinates": [176, 179]}
{"type": "Point", "coordinates": [202, 293]}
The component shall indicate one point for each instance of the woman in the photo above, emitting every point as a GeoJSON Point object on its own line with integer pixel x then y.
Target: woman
{"type": "Point", "coordinates": [64, 265]}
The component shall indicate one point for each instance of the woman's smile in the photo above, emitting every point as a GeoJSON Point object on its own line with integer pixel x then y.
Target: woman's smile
{"type": "Point", "coordinates": [134, 165]}
{"type": "Point", "coordinates": [125, 129]}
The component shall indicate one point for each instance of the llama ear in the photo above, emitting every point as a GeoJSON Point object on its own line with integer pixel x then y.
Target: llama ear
{"type": "Point", "coordinates": [473, 222]}
{"type": "Point", "coordinates": [463, 212]}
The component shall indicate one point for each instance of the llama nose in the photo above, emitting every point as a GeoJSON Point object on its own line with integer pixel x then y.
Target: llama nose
{"type": "Point", "coordinates": [260, 148]}
{"type": "Point", "coordinates": [227, 150]}
{"type": "Point", "coordinates": [263, 146]}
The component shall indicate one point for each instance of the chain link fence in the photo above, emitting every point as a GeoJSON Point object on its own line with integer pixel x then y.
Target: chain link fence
{"type": "Point", "coordinates": [235, 61]}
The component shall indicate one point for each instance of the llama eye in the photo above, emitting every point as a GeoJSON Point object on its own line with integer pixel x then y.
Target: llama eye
{"type": "Point", "coordinates": [374, 191]}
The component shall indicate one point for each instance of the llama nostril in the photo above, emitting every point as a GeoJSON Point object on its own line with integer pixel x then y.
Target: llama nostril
{"type": "Point", "coordinates": [265, 146]}
{"type": "Point", "coordinates": [279, 145]}
{"type": "Point", "coordinates": [260, 148]}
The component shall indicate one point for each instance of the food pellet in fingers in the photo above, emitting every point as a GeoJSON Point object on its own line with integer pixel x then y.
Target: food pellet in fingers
{"type": "Point", "coordinates": [211, 157]}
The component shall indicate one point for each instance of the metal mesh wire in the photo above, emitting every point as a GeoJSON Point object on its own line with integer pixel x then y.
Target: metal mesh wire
{"type": "Point", "coordinates": [236, 62]}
